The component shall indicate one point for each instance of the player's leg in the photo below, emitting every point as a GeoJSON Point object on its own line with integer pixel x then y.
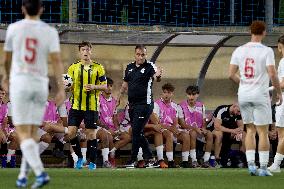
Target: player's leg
{"type": "Point", "coordinates": [208, 148]}
{"type": "Point", "coordinates": [103, 136]}
{"type": "Point", "coordinates": [45, 140]}
{"type": "Point", "coordinates": [12, 147]}
{"type": "Point", "coordinates": [193, 137]}
{"type": "Point", "coordinates": [169, 140]}
{"type": "Point", "coordinates": [75, 118]}
{"type": "Point", "coordinates": [185, 140]}
{"type": "Point", "coordinates": [263, 117]}
{"type": "Point", "coordinates": [218, 136]}
{"type": "Point", "coordinates": [158, 142]}
{"type": "Point", "coordinates": [275, 167]}
{"type": "Point", "coordinates": [139, 115]}
{"type": "Point", "coordinates": [90, 119]}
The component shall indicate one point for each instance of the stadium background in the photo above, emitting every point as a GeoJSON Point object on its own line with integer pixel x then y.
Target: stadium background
{"type": "Point", "coordinates": [115, 26]}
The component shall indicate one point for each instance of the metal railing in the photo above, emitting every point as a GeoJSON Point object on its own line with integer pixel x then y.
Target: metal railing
{"type": "Point", "coordinates": [184, 13]}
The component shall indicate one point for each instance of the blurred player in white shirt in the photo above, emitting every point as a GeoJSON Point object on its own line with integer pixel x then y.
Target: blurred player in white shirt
{"type": "Point", "coordinates": [256, 65]}
{"type": "Point", "coordinates": [27, 46]}
{"type": "Point", "coordinates": [279, 116]}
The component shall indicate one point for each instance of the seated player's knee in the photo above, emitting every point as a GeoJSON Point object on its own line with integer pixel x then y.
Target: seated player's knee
{"type": "Point", "coordinates": [193, 135]}
{"type": "Point", "coordinates": [46, 138]}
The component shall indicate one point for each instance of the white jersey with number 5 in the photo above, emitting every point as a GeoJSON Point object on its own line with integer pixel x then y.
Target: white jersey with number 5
{"type": "Point", "coordinates": [252, 59]}
{"type": "Point", "coordinates": [31, 41]}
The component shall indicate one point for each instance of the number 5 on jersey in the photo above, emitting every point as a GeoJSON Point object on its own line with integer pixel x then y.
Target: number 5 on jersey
{"type": "Point", "coordinates": [249, 68]}
{"type": "Point", "coordinates": [31, 45]}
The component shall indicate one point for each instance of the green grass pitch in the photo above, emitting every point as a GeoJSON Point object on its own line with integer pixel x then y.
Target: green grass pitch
{"type": "Point", "coordinates": [149, 178]}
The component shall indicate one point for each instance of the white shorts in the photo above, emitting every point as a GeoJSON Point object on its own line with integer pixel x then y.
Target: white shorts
{"type": "Point", "coordinates": [279, 116]}
{"type": "Point", "coordinates": [258, 113]}
{"type": "Point", "coordinates": [28, 100]}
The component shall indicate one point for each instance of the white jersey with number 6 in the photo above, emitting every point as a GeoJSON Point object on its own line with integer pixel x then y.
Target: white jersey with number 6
{"type": "Point", "coordinates": [252, 59]}
{"type": "Point", "coordinates": [31, 41]}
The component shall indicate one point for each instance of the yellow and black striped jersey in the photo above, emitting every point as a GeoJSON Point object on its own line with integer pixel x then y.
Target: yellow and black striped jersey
{"type": "Point", "coordinates": [93, 73]}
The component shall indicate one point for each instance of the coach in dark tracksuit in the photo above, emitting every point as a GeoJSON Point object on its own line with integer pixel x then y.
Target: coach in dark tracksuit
{"type": "Point", "coordinates": [138, 80]}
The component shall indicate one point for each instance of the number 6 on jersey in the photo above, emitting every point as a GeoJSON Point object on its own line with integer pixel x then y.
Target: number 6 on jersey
{"type": "Point", "coordinates": [249, 68]}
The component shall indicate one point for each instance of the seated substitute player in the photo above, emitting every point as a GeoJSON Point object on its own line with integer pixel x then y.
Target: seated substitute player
{"type": "Point", "coordinates": [194, 117]}
{"type": "Point", "coordinates": [167, 112]}
{"type": "Point", "coordinates": [108, 121]}
{"type": "Point", "coordinates": [227, 127]}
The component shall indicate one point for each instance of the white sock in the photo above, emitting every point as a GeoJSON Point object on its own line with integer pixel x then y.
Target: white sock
{"type": "Point", "coordinates": [250, 154]}
{"type": "Point", "coordinates": [184, 155]}
{"type": "Point", "coordinates": [140, 154]}
{"type": "Point", "coordinates": [30, 151]}
{"type": "Point", "coordinates": [84, 154]}
{"type": "Point", "coordinates": [10, 154]}
{"type": "Point", "coordinates": [74, 157]}
{"type": "Point", "coordinates": [193, 155]}
{"type": "Point", "coordinates": [42, 146]}
{"type": "Point", "coordinates": [170, 156]}
{"type": "Point", "coordinates": [263, 158]}
{"type": "Point", "coordinates": [105, 153]}
{"type": "Point", "coordinates": [112, 152]}
{"type": "Point", "coordinates": [159, 150]}
{"type": "Point", "coordinates": [206, 156]}
{"type": "Point", "coordinates": [24, 169]}
{"type": "Point", "coordinates": [278, 159]}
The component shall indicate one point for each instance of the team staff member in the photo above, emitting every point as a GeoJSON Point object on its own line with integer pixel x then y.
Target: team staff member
{"type": "Point", "coordinates": [88, 80]}
{"type": "Point", "coordinates": [138, 80]}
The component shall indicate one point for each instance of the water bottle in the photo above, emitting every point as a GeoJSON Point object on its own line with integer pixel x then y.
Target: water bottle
{"type": "Point", "coordinates": [212, 161]}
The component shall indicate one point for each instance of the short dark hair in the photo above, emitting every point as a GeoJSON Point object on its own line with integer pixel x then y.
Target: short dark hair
{"type": "Point", "coordinates": [32, 6]}
{"type": "Point", "coordinates": [281, 39]}
{"type": "Point", "coordinates": [109, 81]}
{"type": "Point", "coordinates": [85, 43]}
{"type": "Point", "coordinates": [192, 89]}
{"type": "Point", "coordinates": [257, 27]}
{"type": "Point", "coordinates": [142, 47]}
{"type": "Point", "coordinates": [168, 87]}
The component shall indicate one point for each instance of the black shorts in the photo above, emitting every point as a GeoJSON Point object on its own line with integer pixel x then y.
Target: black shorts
{"type": "Point", "coordinates": [90, 118]}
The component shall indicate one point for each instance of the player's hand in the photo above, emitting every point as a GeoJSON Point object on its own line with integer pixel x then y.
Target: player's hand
{"type": "Point", "coordinates": [158, 128]}
{"type": "Point", "coordinates": [5, 83]}
{"type": "Point", "coordinates": [204, 131]}
{"type": "Point", "coordinates": [236, 131]}
{"type": "Point", "coordinates": [60, 97]}
{"type": "Point", "coordinates": [279, 99]}
{"type": "Point", "coordinates": [272, 134]}
{"type": "Point", "coordinates": [89, 87]}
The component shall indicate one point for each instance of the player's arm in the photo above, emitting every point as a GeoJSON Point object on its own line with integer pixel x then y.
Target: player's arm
{"type": "Point", "coordinates": [183, 125]}
{"type": "Point", "coordinates": [274, 78]}
{"type": "Point", "coordinates": [123, 89]}
{"type": "Point", "coordinates": [102, 81]}
{"type": "Point", "coordinates": [7, 56]}
{"type": "Point", "coordinates": [5, 125]}
{"type": "Point", "coordinates": [115, 121]}
{"type": "Point", "coordinates": [233, 73]}
{"type": "Point", "coordinates": [219, 127]}
{"type": "Point", "coordinates": [157, 76]}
